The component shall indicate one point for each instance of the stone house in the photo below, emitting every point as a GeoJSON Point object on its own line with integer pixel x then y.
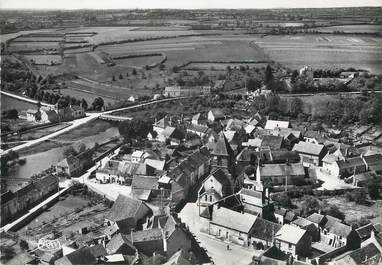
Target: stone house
{"type": "Point", "coordinates": [230, 225]}
{"type": "Point", "coordinates": [280, 174]}
{"type": "Point", "coordinates": [70, 166]}
{"type": "Point", "coordinates": [310, 154]}
{"type": "Point", "coordinates": [294, 240]}
{"type": "Point", "coordinates": [216, 186]}
{"type": "Point", "coordinates": [127, 213]}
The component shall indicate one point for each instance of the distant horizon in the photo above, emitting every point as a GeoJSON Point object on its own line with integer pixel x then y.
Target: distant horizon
{"type": "Point", "coordinates": [52, 5]}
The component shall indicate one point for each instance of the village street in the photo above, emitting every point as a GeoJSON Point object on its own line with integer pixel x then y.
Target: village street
{"type": "Point", "coordinates": [330, 182]}
{"type": "Point", "coordinates": [216, 248]}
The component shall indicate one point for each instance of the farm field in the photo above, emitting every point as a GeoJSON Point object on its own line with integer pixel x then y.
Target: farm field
{"type": "Point", "coordinates": [138, 61]}
{"type": "Point", "coordinates": [28, 46]}
{"type": "Point", "coordinates": [12, 103]}
{"type": "Point", "coordinates": [89, 97]}
{"type": "Point", "coordinates": [221, 66]}
{"type": "Point", "coordinates": [325, 51]}
{"type": "Point", "coordinates": [108, 34]}
{"type": "Point", "coordinates": [182, 50]}
{"type": "Point", "coordinates": [5, 37]}
{"type": "Point", "coordinates": [352, 29]}
{"type": "Point", "coordinates": [44, 59]}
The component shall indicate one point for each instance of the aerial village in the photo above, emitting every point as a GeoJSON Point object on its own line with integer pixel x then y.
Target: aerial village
{"type": "Point", "coordinates": [180, 195]}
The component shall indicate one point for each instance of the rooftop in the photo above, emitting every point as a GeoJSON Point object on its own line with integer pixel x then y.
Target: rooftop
{"type": "Point", "coordinates": [308, 148]}
{"type": "Point", "coordinates": [242, 222]}
{"type": "Point", "coordinates": [290, 234]}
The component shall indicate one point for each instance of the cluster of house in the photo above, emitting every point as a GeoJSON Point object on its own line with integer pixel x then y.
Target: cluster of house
{"type": "Point", "coordinates": [16, 203]}
{"type": "Point", "coordinates": [52, 115]}
{"type": "Point", "coordinates": [231, 172]}
{"type": "Point", "coordinates": [130, 234]}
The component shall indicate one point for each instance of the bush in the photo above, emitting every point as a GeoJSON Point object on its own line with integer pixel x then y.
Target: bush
{"type": "Point", "coordinates": [359, 196]}
{"type": "Point", "coordinates": [24, 245]}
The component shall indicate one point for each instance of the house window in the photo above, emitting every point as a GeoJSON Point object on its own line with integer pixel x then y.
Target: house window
{"type": "Point", "coordinates": [226, 234]}
{"type": "Point", "coordinates": [205, 197]}
{"type": "Point", "coordinates": [289, 245]}
{"type": "Point", "coordinates": [210, 198]}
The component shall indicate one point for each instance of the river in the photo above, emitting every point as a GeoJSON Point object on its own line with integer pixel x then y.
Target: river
{"type": "Point", "coordinates": [38, 162]}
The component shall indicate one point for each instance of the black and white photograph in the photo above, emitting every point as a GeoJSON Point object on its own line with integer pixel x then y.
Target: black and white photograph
{"type": "Point", "coordinates": [200, 132]}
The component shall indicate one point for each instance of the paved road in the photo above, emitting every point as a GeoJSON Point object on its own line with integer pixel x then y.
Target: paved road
{"type": "Point", "coordinates": [25, 99]}
{"type": "Point", "coordinates": [216, 248]}
{"type": "Point", "coordinates": [90, 116]}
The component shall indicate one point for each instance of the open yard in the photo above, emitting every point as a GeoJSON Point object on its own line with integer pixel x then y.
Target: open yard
{"type": "Point", "coordinates": [325, 51]}
{"type": "Point", "coordinates": [355, 211]}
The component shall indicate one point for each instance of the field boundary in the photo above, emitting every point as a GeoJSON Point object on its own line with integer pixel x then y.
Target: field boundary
{"type": "Point", "coordinates": [225, 62]}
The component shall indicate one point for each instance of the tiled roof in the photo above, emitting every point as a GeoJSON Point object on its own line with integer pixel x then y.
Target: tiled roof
{"type": "Point", "coordinates": [351, 163]}
{"type": "Point", "coordinates": [316, 218]}
{"type": "Point", "coordinates": [217, 113]}
{"type": "Point", "coordinates": [339, 229]}
{"type": "Point", "coordinates": [147, 235]}
{"type": "Point", "coordinates": [124, 208]}
{"type": "Point", "coordinates": [290, 234]}
{"type": "Point", "coordinates": [281, 170]}
{"type": "Point", "coordinates": [178, 258]}
{"type": "Point", "coordinates": [274, 142]}
{"type": "Point", "coordinates": [79, 256]}
{"type": "Point", "coordinates": [98, 251]}
{"type": "Point", "coordinates": [265, 230]}
{"type": "Point", "coordinates": [364, 232]}
{"type": "Point", "coordinates": [308, 148]}
{"type": "Point", "coordinates": [221, 176]}
{"type": "Point", "coordinates": [359, 256]}
{"type": "Point", "coordinates": [144, 182]}
{"type": "Point", "coordinates": [117, 241]}
{"type": "Point", "coordinates": [242, 222]}
{"type": "Point", "coordinates": [222, 147]}
{"type": "Point", "coordinates": [302, 222]}
{"type": "Point", "coordinates": [272, 124]}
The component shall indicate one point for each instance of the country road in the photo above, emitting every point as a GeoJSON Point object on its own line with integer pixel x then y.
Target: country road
{"type": "Point", "coordinates": [90, 116]}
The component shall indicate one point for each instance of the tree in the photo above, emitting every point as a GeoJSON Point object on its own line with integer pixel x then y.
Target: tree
{"type": "Point", "coordinates": [120, 76]}
{"type": "Point", "coordinates": [294, 76]}
{"type": "Point", "coordinates": [62, 103]}
{"type": "Point", "coordinates": [134, 72]}
{"type": "Point", "coordinates": [84, 104]}
{"type": "Point", "coordinates": [70, 151]}
{"type": "Point", "coordinates": [113, 78]}
{"type": "Point", "coordinates": [296, 106]}
{"type": "Point", "coordinates": [358, 196]}
{"type": "Point", "coordinates": [374, 187]}
{"type": "Point", "coordinates": [127, 74]}
{"type": "Point", "coordinates": [268, 75]}
{"type": "Point", "coordinates": [134, 129]}
{"type": "Point", "coordinates": [334, 211]}
{"type": "Point", "coordinates": [98, 103]}
{"type": "Point", "coordinates": [310, 205]}
{"type": "Point", "coordinates": [23, 244]}
{"type": "Point", "coordinates": [283, 200]}
{"type": "Point", "coordinates": [11, 114]}
{"type": "Point", "coordinates": [252, 84]}
{"type": "Point", "coordinates": [81, 148]}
